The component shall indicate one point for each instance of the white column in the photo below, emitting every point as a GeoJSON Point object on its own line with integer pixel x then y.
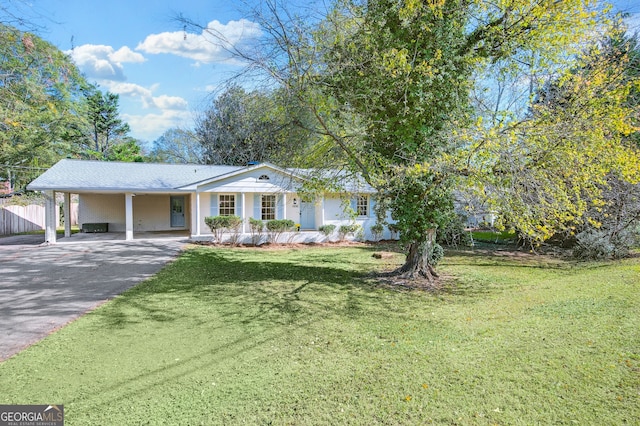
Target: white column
{"type": "Point", "coordinates": [50, 217]}
{"type": "Point", "coordinates": [243, 212]}
{"type": "Point", "coordinates": [128, 209]}
{"type": "Point", "coordinates": [197, 215]}
{"type": "Point", "coordinates": [284, 205]}
{"type": "Point", "coordinates": [322, 211]}
{"type": "Point", "coordinates": [67, 214]}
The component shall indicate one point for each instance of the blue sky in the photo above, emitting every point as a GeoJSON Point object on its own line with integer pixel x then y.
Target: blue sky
{"type": "Point", "coordinates": [137, 49]}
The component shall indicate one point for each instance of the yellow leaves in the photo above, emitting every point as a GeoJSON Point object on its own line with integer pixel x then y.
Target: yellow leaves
{"type": "Point", "coordinates": [411, 8]}
{"type": "Point", "coordinates": [396, 62]}
{"type": "Point", "coordinates": [11, 122]}
{"type": "Point", "coordinates": [596, 224]}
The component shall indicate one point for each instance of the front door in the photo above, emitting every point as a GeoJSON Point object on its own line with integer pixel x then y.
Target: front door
{"type": "Point", "coordinates": [177, 212]}
{"type": "Point", "coordinates": [307, 215]}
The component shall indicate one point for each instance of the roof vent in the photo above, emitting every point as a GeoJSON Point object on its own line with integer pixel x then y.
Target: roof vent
{"type": "Point", "coordinates": [263, 177]}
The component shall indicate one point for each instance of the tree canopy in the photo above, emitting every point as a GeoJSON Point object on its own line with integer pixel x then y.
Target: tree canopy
{"type": "Point", "coordinates": [177, 146]}
{"type": "Point", "coordinates": [401, 88]}
{"type": "Point", "coordinates": [39, 100]}
{"type": "Point", "coordinates": [242, 126]}
{"type": "Point", "coordinates": [48, 111]}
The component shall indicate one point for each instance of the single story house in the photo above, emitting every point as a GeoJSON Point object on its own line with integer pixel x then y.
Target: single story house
{"type": "Point", "coordinates": [143, 197]}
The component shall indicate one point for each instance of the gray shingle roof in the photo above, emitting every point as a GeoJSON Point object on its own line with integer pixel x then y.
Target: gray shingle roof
{"type": "Point", "coordinates": [114, 176]}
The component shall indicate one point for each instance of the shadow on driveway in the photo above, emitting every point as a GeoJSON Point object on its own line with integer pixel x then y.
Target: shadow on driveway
{"type": "Point", "coordinates": [43, 288]}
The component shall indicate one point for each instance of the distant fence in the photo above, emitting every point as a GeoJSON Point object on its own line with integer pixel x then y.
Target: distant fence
{"type": "Point", "coordinates": [18, 219]}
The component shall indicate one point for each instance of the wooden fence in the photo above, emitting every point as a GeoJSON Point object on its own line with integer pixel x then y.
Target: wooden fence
{"type": "Point", "coordinates": [17, 219]}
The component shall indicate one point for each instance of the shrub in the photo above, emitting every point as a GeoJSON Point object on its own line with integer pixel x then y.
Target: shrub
{"type": "Point", "coordinates": [600, 244]}
{"type": "Point", "coordinates": [327, 230]}
{"type": "Point", "coordinates": [454, 233]}
{"type": "Point", "coordinates": [256, 226]}
{"type": "Point", "coordinates": [437, 253]}
{"type": "Point", "coordinates": [221, 224]}
{"type": "Point", "coordinates": [376, 231]}
{"type": "Point", "coordinates": [345, 230]}
{"type": "Point", "coordinates": [393, 228]}
{"type": "Point", "coordinates": [277, 227]}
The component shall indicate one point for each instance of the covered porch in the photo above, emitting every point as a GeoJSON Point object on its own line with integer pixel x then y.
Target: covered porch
{"type": "Point", "coordinates": [127, 215]}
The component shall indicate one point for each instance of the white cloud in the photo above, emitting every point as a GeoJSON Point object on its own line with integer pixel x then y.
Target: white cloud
{"type": "Point", "coordinates": [164, 113]}
{"type": "Point", "coordinates": [103, 62]}
{"type": "Point", "coordinates": [150, 127]}
{"type": "Point", "coordinates": [210, 45]}
{"type": "Point", "coordinates": [170, 102]}
{"type": "Point", "coordinates": [163, 102]}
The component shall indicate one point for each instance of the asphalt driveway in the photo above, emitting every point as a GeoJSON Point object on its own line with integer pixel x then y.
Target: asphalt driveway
{"type": "Point", "coordinates": [42, 288]}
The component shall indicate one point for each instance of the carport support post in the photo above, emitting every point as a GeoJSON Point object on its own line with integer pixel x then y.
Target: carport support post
{"type": "Point", "coordinates": [195, 214]}
{"type": "Point", "coordinates": [128, 216]}
{"type": "Point", "coordinates": [67, 214]}
{"type": "Point", "coordinates": [50, 217]}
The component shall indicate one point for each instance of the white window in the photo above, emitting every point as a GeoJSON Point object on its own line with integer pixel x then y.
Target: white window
{"type": "Point", "coordinates": [268, 207]}
{"type": "Point", "coordinates": [227, 205]}
{"type": "Point", "coordinates": [362, 205]}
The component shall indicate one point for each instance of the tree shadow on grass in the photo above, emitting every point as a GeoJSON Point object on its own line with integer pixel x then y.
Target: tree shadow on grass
{"type": "Point", "coordinates": [244, 288]}
{"type": "Point", "coordinates": [506, 258]}
{"type": "Point", "coordinates": [257, 299]}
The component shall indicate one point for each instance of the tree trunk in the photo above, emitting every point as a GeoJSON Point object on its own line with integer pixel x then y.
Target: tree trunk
{"type": "Point", "coordinates": [417, 264]}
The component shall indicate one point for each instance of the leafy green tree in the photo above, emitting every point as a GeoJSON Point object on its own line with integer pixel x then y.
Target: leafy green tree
{"type": "Point", "coordinates": [105, 129]}
{"type": "Point", "coordinates": [547, 173]}
{"type": "Point", "coordinates": [40, 99]}
{"type": "Point", "coordinates": [177, 146]}
{"type": "Point", "coordinates": [127, 150]}
{"type": "Point", "coordinates": [244, 126]}
{"type": "Point", "coordinates": [406, 71]}
{"type": "Point", "coordinates": [390, 84]}
{"type": "Point", "coordinates": [600, 99]}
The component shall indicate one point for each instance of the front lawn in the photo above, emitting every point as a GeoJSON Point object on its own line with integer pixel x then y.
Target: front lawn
{"type": "Point", "coordinates": [304, 336]}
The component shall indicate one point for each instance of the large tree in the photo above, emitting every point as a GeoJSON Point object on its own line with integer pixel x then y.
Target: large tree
{"type": "Point", "coordinates": [406, 70]}
{"type": "Point", "coordinates": [547, 170]}
{"type": "Point", "coordinates": [259, 125]}
{"type": "Point", "coordinates": [596, 104]}
{"type": "Point", "coordinates": [40, 99]}
{"type": "Point", "coordinates": [177, 146]}
{"type": "Point", "coordinates": [389, 82]}
{"type": "Point", "coordinates": [104, 128]}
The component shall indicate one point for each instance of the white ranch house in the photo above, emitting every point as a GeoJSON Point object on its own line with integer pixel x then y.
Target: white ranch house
{"type": "Point", "coordinates": [146, 197]}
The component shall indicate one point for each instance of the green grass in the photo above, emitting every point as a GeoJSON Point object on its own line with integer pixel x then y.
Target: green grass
{"type": "Point", "coordinates": [494, 236]}
{"type": "Point", "coordinates": [251, 336]}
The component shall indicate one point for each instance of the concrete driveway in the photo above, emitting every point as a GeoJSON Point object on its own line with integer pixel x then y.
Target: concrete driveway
{"type": "Point", "coordinates": [42, 288]}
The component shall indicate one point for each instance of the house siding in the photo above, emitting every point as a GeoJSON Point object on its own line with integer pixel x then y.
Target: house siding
{"type": "Point", "coordinates": [151, 212]}
{"type": "Point", "coordinates": [153, 185]}
{"type": "Point", "coordinates": [102, 208]}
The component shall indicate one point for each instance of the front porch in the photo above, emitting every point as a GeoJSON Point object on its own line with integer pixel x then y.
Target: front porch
{"type": "Point", "coordinates": [293, 237]}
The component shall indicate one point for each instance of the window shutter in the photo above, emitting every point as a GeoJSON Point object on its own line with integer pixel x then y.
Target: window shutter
{"type": "Point", "coordinates": [238, 205]}
{"type": "Point", "coordinates": [372, 206]}
{"type": "Point", "coordinates": [279, 207]}
{"type": "Point", "coordinates": [353, 203]}
{"type": "Point", "coordinates": [214, 205]}
{"type": "Point", "coordinates": [257, 206]}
